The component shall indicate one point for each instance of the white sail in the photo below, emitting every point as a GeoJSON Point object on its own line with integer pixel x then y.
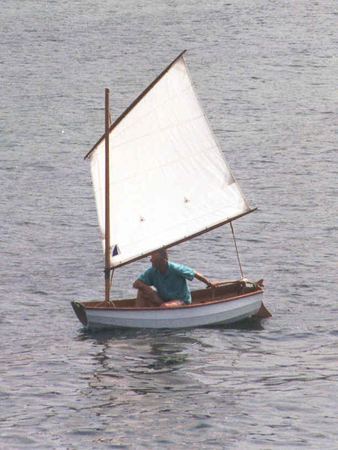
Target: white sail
{"type": "Point", "coordinates": [168, 178]}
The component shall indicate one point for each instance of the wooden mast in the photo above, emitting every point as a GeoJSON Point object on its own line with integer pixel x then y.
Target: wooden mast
{"type": "Point", "coordinates": [107, 198]}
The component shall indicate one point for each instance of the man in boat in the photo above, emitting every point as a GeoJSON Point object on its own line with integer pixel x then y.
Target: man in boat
{"type": "Point", "coordinates": [169, 280]}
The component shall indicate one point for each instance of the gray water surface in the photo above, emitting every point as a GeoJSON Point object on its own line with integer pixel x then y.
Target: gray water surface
{"type": "Point", "coordinates": [266, 73]}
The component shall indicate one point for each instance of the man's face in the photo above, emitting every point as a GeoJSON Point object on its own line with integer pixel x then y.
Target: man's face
{"type": "Point", "coordinates": [155, 259]}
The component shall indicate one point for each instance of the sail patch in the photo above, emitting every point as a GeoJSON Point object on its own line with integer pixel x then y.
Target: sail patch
{"type": "Point", "coordinates": [116, 250]}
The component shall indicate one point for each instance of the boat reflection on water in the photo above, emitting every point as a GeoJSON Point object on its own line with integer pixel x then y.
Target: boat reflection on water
{"type": "Point", "coordinates": [139, 362]}
{"type": "Point", "coordinates": [129, 362]}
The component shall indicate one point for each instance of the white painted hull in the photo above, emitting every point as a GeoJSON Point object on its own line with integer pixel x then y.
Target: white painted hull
{"type": "Point", "coordinates": [196, 315]}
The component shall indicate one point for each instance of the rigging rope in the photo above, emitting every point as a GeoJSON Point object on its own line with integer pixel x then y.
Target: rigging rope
{"type": "Point", "coordinates": [239, 261]}
{"type": "Point", "coordinates": [111, 277]}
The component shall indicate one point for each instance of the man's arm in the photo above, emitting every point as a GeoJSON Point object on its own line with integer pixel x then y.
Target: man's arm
{"type": "Point", "coordinates": [138, 284]}
{"type": "Point", "coordinates": [204, 280]}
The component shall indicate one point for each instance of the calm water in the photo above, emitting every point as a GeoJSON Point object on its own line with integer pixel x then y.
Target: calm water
{"type": "Point", "coordinates": [266, 72]}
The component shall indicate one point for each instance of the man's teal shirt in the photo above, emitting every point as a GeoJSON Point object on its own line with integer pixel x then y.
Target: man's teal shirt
{"type": "Point", "coordinates": [172, 284]}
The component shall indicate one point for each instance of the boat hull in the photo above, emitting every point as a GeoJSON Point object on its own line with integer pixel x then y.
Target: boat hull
{"type": "Point", "coordinates": [224, 311]}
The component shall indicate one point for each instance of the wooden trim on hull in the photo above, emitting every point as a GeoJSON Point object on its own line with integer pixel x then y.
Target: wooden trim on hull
{"type": "Point", "coordinates": [103, 305]}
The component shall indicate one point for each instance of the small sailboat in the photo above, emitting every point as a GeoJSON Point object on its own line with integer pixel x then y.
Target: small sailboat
{"type": "Point", "coordinates": [160, 179]}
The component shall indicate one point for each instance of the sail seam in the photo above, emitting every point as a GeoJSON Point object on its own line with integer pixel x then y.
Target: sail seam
{"type": "Point", "coordinates": [136, 101]}
{"type": "Point", "coordinates": [158, 130]}
{"type": "Point", "coordinates": [213, 134]}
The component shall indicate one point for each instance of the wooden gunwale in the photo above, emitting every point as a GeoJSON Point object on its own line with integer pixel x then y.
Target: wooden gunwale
{"type": "Point", "coordinates": [198, 305]}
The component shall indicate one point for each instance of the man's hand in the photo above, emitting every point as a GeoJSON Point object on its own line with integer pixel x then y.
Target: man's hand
{"type": "Point", "coordinates": [205, 280]}
{"type": "Point", "coordinates": [143, 287]}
